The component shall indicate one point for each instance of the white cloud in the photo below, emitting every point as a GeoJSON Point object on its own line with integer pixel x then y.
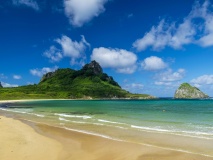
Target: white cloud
{"type": "Point", "coordinates": [168, 77]}
{"type": "Point", "coordinates": [121, 60]}
{"type": "Point", "coordinates": [53, 54]}
{"type": "Point", "coordinates": [202, 80]}
{"type": "Point", "coordinates": [167, 35]}
{"type": "Point", "coordinates": [156, 38]}
{"type": "Point", "coordinates": [4, 84]}
{"type": "Point", "coordinates": [30, 3]}
{"type": "Point", "coordinates": [176, 35]}
{"type": "Point", "coordinates": [153, 63]}
{"type": "Point", "coordinates": [73, 49]}
{"type": "Point", "coordinates": [17, 77]}
{"type": "Point", "coordinates": [204, 12]}
{"type": "Point", "coordinates": [81, 11]}
{"type": "Point", "coordinates": [41, 72]}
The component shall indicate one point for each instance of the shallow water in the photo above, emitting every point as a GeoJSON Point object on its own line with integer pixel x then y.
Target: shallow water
{"type": "Point", "coordinates": [128, 120]}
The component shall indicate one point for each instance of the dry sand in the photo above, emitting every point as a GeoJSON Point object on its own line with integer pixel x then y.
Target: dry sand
{"type": "Point", "coordinates": [20, 141]}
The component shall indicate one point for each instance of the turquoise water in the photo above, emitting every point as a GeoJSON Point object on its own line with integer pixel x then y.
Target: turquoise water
{"type": "Point", "coordinates": [123, 119]}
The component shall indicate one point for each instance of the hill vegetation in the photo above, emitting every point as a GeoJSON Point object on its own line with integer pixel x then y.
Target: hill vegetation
{"type": "Point", "coordinates": [88, 83]}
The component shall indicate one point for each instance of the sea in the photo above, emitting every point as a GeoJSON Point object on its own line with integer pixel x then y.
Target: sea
{"type": "Point", "coordinates": [183, 125]}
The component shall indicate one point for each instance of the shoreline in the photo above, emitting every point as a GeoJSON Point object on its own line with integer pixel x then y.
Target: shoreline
{"type": "Point", "coordinates": [75, 145]}
{"type": "Point", "coordinates": [29, 100]}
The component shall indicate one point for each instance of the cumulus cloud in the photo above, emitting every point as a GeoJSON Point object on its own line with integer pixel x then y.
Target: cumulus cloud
{"type": "Point", "coordinates": [69, 48]}
{"type": "Point", "coordinates": [121, 60]}
{"type": "Point", "coordinates": [153, 63]}
{"type": "Point", "coordinates": [41, 72]}
{"type": "Point", "coordinates": [73, 49]}
{"type": "Point", "coordinates": [168, 76]}
{"type": "Point", "coordinates": [17, 77]}
{"type": "Point", "coordinates": [202, 80]}
{"type": "Point", "coordinates": [176, 35]}
{"type": "Point", "coordinates": [53, 54]}
{"type": "Point", "coordinates": [29, 3]}
{"type": "Point", "coordinates": [81, 11]}
{"type": "Point", "coordinates": [4, 84]}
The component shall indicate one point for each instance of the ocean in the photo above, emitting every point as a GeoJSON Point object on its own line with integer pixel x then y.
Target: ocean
{"type": "Point", "coordinates": [188, 123]}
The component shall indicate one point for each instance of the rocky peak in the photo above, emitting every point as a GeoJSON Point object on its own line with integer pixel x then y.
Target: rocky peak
{"type": "Point", "coordinates": [1, 85]}
{"type": "Point", "coordinates": [94, 67]}
{"type": "Point", "coordinates": [47, 76]}
{"type": "Point", "coordinates": [186, 91]}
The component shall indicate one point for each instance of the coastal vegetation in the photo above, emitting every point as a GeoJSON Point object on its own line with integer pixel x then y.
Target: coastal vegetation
{"type": "Point", "coordinates": [88, 83]}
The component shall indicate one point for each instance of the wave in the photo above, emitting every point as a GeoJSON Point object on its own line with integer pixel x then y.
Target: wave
{"type": "Point", "coordinates": [72, 116]}
{"type": "Point", "coordinates": [90, 123]}
{"type": "Point", "coordinates": [194, 134]}
{"type": "Point", "coordinates": [23, 112]}
{"type": "Point", "coordinates": [92, 133]}
{"type": "Point", "coordinates": [148, 128]}
{"type": "Point", "coordinates": [106, 121]}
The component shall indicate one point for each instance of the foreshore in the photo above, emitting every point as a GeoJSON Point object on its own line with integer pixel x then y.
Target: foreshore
{"type": "Point", "coordinates": [27, 100]}
{"type": "Point", "coordinates": [22, 140]}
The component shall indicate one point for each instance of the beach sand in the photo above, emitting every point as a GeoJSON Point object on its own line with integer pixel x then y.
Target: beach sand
{"type": "Point", "coordinates": [22, 140]}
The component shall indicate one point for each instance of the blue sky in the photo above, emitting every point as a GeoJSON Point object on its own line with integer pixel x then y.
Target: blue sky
{"type": "Point", "coordinates": [147, 46]}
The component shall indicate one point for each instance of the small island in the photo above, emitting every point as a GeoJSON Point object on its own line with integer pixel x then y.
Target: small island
{"type": "Point", "coordinates": [90, 82]}
{"type": "Point", "coordinates": [186, 91]}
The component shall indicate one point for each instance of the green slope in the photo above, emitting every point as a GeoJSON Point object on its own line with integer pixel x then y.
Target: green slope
{"type": "Point", "coordinates": [88, 83]}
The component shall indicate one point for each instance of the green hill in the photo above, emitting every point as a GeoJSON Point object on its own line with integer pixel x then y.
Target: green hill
{"type": "Point", "coordinates": [88, 83]}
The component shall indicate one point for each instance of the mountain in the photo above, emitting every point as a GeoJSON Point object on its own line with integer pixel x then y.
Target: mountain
{"type": "Point", "coordinates": [88, 83]}
{"type": "Point", "coordinates": [186, 91]}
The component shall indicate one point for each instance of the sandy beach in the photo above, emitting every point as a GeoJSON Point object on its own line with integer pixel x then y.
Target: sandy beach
{"type": "Point", "coordinates": [29, 141]}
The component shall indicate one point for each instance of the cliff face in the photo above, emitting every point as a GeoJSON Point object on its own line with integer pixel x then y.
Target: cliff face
{"type": "Point", "coordinates": [186, 91]}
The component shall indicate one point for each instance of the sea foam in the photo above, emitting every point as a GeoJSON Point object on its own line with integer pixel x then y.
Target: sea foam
{"type": "Point", "coordinates": [72, 116]}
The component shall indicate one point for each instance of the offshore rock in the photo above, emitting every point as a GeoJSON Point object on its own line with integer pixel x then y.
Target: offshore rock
{"type": "Point", "coordinates": [186, 91]}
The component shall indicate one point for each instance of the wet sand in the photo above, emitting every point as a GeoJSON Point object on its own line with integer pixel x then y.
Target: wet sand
{"type": "Point", "coordinates": [22, 140]}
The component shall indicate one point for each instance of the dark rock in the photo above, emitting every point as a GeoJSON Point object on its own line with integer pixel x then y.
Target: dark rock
{"type": "Point", "coordinates": [94, 67]}
{"type": "Point", "coordinates": [47, 76]}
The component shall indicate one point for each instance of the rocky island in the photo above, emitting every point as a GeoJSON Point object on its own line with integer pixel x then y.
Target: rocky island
{"type": "Point", "coordinates": [186, 91]}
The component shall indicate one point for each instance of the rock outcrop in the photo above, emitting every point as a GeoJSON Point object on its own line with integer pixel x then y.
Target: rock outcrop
{"type": "Point", "coordinates": [186, 91]}
{"type": "Point", "coordinates": [94, 67]}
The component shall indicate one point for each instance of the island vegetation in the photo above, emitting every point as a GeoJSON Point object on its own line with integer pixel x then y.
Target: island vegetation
{"type": "Point", "coordinates": [88, 83]}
